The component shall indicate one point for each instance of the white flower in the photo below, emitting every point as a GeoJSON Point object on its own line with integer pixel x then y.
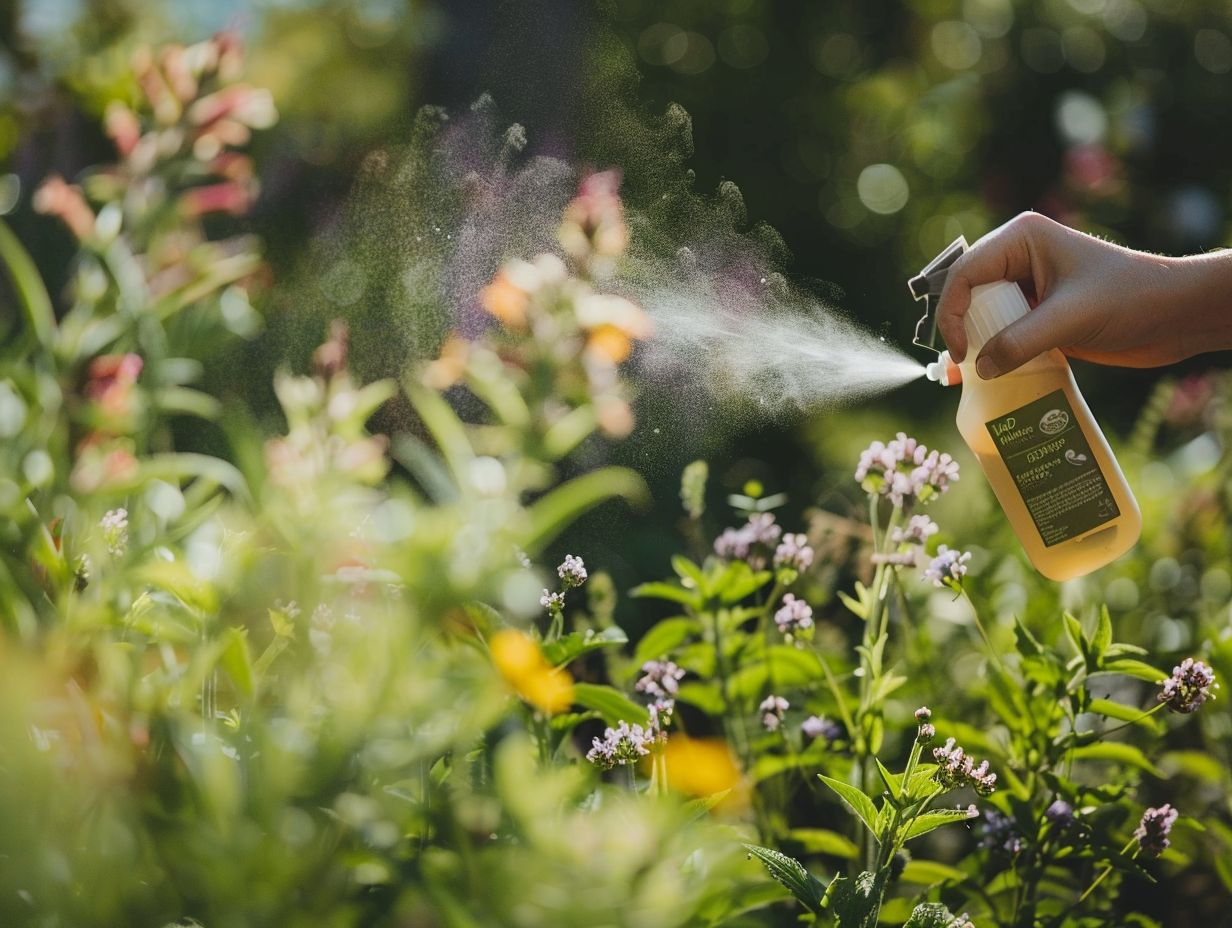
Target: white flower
{"type": "Point", "coordinates": [948, 567]}
{"type": "Point", "coordinates": [624, 744]}
{"type": "Point", "coordinates": [661, 679]}
{"type": "Point", "coordinates": [572, 571]}
{"type": "Point", "coordinates": [772, 709]}
{"type": "Point", "coordinates": [114, 524]}
{"type": "Point", "coordinates": [919, 529]}
{"type": "Point", "coordinates": [553, 602]}
{"type": "Point", "coordinates": [794, 616]}
{"type": "Point", "coordinates": [793, 551]}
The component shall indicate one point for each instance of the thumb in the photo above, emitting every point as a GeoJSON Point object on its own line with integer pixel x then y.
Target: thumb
{"type": "Point", "coordinates": [1052, 324]}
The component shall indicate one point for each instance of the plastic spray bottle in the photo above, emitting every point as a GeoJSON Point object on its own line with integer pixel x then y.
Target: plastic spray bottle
{"type": "Point", "coordinates": [1042, 451]}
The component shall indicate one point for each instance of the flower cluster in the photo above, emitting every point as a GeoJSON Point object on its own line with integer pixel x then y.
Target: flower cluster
{"type": "Point", "coordinates": [572, 572]}
{"type": "Point", "coordinates": [917, 531]}
{"type": "Point", "coordinates": [661, 679]}
{"type": "Point", "coordinates": [905, 470]}
{"type": "Point", "coordinates": [1153, 830]}
{"type": "Point", "coordinates": [1189, 686]}
{"type": "Point", "coordinates": [793, 552]}
{"type": "Point", "coordinates": [772, 709]}
{"type": "Point", "coordinates": [794, 617]}
{"type": "Point", "coordinates": [999, 834]}
{"type": "Point", "coordinates": [948, 567]}
{"type": "Point", "coordinates": [816, 726]}
{"type": "Point", "coordinates": [751, 541]}
{"type": "Point", "coordinates": [552, 602]}
{"type": "Point", "coordinates": [958, 768]}
{"type": "Point", "coordinates": [619, 746]}
{"type": "Point", "coordinates": [114, 525]}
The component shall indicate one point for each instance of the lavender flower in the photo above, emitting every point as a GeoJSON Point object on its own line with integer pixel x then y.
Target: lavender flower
{"type": "Point", "coordinates": [957, 768]}
{"type": "Point", "coordinates": [1152, 832]}
{"type": "Point", "coordinates": [821, 727]}
{"type": "Point", "coordinates": [114, 524]}
{"type": "Point", "coordinates": [619, 746]}
{"type": "Point", "coordinates": [572, 572]}
{"type": "Point", "coordinates": [927, 733]}
{"type": "Point", "coordinates": [760, 532]}
{"type": "Point", "coordinates": [948, 567]}
{"type": "Point", "coordinates": [999, 834]}
{"type": "Point", "coordinates": [1060, 813]}
{"type": "Point", "coordinates": [794, 552]}
{"type": "Point", "coordinates": [661, 711]}
{"type": "Point", "coordinates": [772, 709]}
{"type": "Point", "coordinates": [904, 470]}
{"type": "Point", "coordinates": [919, 529]}
{"type": "Point", "coordinates": [661, 679]}
{"type": "Point", "coordinates": [1189, 686]}
{"type": "Point", "coordinates": [794, 617]}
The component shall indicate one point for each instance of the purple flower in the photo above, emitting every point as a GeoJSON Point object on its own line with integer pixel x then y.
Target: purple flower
{"type": "Point", "coordinates": [821, 727]}
{"type": "Point", "coordinates": [905, 470]}
{"type": "Point", "coordinates": [572, 571]}
{"type": "Point", "coordinates": [999, 834]}
{"type": "Point", "coordinates": [923, 714]}
{"type": "Point", "coordinates": [661, 679]}
{"type": "Point", "coordinates": [772, 709]}
{"type": "Point", "coordinates": [955, 768]}
{"type": "Point", "coordinates": [794, 552]}
{"type": "Point", "coordinates": [948, 567]}
{"type": "Point", "coordinates": [624, 744]}
{"type": "Point", "coordinates": [1152, 832]}
{"type": "Point", "coordinates": [919, 529]}
{"type": "Point", "coordinates": [1060, 813]}
{"type": "Point", "coordinates": [794, 616]}
{"type": "Point", "coordinates": [926, 733]}
{"type": "Point", "coordinates": [760, 533]}
{"type": "Point", "coordinates": [1189, 686]}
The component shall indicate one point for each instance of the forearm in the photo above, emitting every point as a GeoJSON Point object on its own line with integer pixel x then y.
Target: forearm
{"type": "Point", "coordinates": [1198, 310]}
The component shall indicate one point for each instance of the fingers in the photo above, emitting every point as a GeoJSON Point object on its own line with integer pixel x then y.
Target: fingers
{"type": "Point", "coordinates": [1003, 254]}
{"type": "Point", "coordinates": [1053, 324]}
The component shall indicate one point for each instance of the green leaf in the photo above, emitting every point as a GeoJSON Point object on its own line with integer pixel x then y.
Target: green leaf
{"type": "Point", "coordinates": [855, 902]}
{"type": "Point", "coordinates": [824, 841]}
{"type": "Point", "coordinates": [175, 467]}
{"type": "Point", "coordinates": [890, 780]}
{"type": "Point", "coordinates": [860, 804]}
{"type": "Point", "coordinates": [663, 638]}
{"type": "Point", "coordinates": [187, 402]}
{"type": "Point", "coordinates": [659, 589]}
{"type": "Point", "coordinates": [1103, 633]}
{"type": "Point", "coordinates": [575, 644]}
{"type": "Point", "coordinates": [930, 915]}
{"type": "Point", "coordinates": [807, 889]}
{"type": "Point", "coordinates": [930, 821]}
{"type": "Point", "coordinates": [446, 429]}
{"type": "Point", "coordinates": [1196, 764]}
{"type": "Point", "coordinates": [689, 573]}
{"type": "Point", "coordinates": [1028, 644]}
{"type": "Point", "coordinates": [1135, 668]}
{"type": "Point", "coordinates": [930, 873]}
{"type": "Point", "coordinates": [28, 286]}
{"type": "Point", "coordinates": [236, 661]}
{"type": "Point", "coordinates": [1073, 631]}
{"type": "Point", "coordinates": [1114, 710]}
{"type": "Point", "coordinates": [1117, 752]}
{"type": "Point", "coordinates": [556, 509]}
{"type": "Point", "coordinates": [705, 696]}
{"type": "Point", "coordinates": [739, 581]}
{"type": "Point", "coordinates": [610, 703]}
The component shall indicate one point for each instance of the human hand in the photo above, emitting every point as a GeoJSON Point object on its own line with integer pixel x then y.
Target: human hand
{"type": "Point", "coordinates": [1094, 300]}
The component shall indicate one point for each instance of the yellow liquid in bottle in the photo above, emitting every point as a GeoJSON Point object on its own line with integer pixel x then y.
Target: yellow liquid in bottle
{"type": "Point", "coordinates": [1037, 442]}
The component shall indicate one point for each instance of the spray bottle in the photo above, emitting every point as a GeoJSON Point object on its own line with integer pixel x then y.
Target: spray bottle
{"type": "Point", "coordinates": [1042, 451]}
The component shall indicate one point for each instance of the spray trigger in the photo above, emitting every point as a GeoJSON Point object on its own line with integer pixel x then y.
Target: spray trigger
{"type": "Point", "coordinates": [927, 286]}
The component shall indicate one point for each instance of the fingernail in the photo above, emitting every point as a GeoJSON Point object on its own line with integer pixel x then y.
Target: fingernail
{"type": "Point", "coordinates": [987, 368]}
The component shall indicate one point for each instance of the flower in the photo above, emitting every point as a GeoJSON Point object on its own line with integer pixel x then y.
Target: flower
{"type": "Point", "coordinates": [624, 744]}
{"type": "Point", "coordinates": [999, 834]}
{"type": "Point", "coordinates": [693, 488]}
{"type": "Point", "coordinates": [917, 531]}
{"type": "Point", "coordinates": [794, 616]}
{"type": "Point", "coordinates": [821, 727]}
{"type": "Point", "coordinates": [794, 552]}
{"type": "Point", "coordinates": [572, 571]}
{"type": "Point", "coordinates": [1189, 686]}
{"type": "Point", "coordinates": [904, 470]}
{"type": "Point", "coordinates": [1153, 830]}
{"type": "Point", "coordinates": [923, 714]}
{"type": "Point", "coordinates": [552, 602]}
{"type": "Point", "coordinates": [661, 711]}
{"type": "Point", "coordinates": [956, 768]}
{"type": "Point", "coordinates": [926, 733]}
{"type": "Point", "coordinates": [114, 524]}
{"type": "Point", "coordinates": [1060, 813]}
{"type": "Point", "coordinates": [593, 226]}
{"type": "Point", "coordinates": [772, 709]}
{"type": "Point", "coordinates": [519, 660]}
{"type": "Point", "coordinates": [703, 767]}
{"type": "Point", "coordinates": [661, 679]}
{"type": "Point", "coordinates": [739, 543]}
{"type": "Point", "coordinates": [948, 567]}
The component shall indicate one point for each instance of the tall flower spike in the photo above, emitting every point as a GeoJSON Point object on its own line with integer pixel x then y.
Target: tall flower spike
{"type": "Point", "coordinates": [1153, 830]}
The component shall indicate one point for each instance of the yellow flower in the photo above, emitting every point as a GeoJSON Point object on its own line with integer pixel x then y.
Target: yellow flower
{"type": "Point", "coordinates": [519, 660]}
{"type": "Point", "coordinates": [609, 343]}
{"type": "Point", "coordinates": [703, 767]}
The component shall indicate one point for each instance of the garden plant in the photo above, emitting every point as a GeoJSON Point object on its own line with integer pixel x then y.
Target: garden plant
{"type": "Point", "coordinates": [353, 660]}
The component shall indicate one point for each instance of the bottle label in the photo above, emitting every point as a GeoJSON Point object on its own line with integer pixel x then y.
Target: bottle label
{"type": "Point", "coordinates": [1050, 459]}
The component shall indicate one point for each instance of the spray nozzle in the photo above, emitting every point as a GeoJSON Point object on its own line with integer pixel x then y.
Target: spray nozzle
{"type": "Point", "coordinates": [927, 286]}
{"type": "Point", "coordinates": [943, 371]}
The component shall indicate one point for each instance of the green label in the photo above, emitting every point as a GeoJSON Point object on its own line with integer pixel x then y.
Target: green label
{"type": "Point", "coordinates": [1051, 462]}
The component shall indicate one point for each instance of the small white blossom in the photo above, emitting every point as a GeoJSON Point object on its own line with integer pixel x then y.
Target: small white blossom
{"type": "Point", "coordinates": [919, 529]}
{"type": "Point", "coordinates": [661, 679]}
{"type": "Point", "coordinates": [793, 551]}
{"type": "Point", "coordinates": [572, 571]}
{"type": "Point", "coordinates": [553, 602]}
{"type": "Point", "coordinates": [948, 567]}
{"type": "Point", "coordinates": [114, 524]}
{"type": "Point", "coordinates": [772, 709]}
{"type": "Point", "coordinates": [794, 616]}
{"type": "Point", "coordinates": [624, 744]}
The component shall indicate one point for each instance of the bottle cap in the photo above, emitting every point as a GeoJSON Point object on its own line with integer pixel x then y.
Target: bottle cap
{"type": "Point", "coordinates": [993, 307]}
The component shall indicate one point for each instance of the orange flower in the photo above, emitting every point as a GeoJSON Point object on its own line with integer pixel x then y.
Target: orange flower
{"type": "Point", "coordinates": [519, 660]}
{"type": "Point", "coordinates": [447, 370]}
{"type": "Point", "coordinates": [609, 343]}
{"type": "Point", "coordinates": [505, 300]}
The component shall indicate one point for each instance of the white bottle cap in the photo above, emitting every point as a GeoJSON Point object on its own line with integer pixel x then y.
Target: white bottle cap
{"type": "Point", "coordinates": [993, 307]}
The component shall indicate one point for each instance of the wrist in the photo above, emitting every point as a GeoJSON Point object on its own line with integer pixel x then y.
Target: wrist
{"type": "Point", "coordinates": [1195, 302]}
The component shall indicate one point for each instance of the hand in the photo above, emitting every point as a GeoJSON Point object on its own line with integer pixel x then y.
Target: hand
{"type": "Point", "coordinates": [1094, 300]}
